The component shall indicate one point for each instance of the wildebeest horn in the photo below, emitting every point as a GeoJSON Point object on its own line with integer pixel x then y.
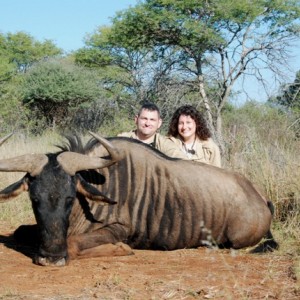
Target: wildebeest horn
{"type": "Point", "coordinates": [73, 162]}
{"type": "Point", "coordinates": [114, 153]}
{"type": "Point", "coordinates": [29, 163]}
{"type": "Point", "coordinates": [5, 138]}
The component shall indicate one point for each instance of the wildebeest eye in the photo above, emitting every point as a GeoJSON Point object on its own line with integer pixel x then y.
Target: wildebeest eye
{"type": "Point", "coordinates": [34, 199]}
{"type": "Point", "coordinates": [69, 200]}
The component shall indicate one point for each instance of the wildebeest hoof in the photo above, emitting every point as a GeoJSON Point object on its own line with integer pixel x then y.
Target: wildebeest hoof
{"type": "Point", "coordinates": [124, 249]}
{"type": "Point", "coordinates": [44, 261]}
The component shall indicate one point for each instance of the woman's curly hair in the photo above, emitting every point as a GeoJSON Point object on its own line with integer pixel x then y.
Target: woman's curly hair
{"type": "Point", "coordinates": [202, 130]}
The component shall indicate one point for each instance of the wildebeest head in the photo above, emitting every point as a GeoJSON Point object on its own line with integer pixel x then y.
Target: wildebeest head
{"type": "Point", "coordinates": [52, 183]}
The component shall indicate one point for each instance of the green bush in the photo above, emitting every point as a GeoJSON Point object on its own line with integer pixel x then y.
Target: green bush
{"type": "Point", "coordinates": [57, 90]}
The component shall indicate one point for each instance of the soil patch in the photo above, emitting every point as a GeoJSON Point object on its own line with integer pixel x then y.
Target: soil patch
{"type": "Point", "coordinates": [182, 274]}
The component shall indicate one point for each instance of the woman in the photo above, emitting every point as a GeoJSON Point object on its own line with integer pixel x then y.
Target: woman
{"type": "Point", "coordinates": [188, 129]}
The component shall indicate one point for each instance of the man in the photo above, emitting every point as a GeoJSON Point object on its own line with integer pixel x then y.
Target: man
{"type": "Point", "coordinates": [147, 121]}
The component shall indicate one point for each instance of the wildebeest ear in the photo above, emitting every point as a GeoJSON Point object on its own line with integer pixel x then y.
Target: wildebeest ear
{"type": "Point", "coordinates": [14, 190]}
{"type": "Point", "coordinates": [91, 192]}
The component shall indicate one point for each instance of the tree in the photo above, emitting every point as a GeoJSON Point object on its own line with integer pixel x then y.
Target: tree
{"type": "Point", "coordinates": [218, 41]}
{"type": "Point", "coordinates": [57, 89]}
{"type": "Point", "coordinates": [290, 95]}
{"type": "Point", "coordinates": [289, 100]}
{"type": "Point", "coordinates": [21, 50]}
{"type": "Point", "coordinates": [6, 67]}
{"type": "Point", "coordinates": [136, 74]}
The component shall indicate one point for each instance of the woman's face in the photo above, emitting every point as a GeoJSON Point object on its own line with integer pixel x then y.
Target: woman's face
{"type": "Point", "coordinates": [187, 128]}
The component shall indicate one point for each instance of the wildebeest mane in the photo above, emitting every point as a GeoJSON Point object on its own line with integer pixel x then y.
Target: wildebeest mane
{"type": "Point", "coordinates": [73, 143]}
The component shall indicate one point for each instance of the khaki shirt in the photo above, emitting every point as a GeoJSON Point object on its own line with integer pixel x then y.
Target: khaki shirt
{"type": "Point", "coordinates": [160, 142]}
{"type": "Point", "coordinates": [205, 151]}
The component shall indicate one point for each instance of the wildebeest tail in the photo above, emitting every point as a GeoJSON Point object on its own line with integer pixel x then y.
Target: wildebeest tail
{"type": "Point", "coordinates": [269, 244]}
{"type": "Point", "coordinates": [271, 207]}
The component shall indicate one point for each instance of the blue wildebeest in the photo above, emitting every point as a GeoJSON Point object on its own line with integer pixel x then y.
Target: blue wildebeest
{"type": "Point", "coordinates": [155, 202]}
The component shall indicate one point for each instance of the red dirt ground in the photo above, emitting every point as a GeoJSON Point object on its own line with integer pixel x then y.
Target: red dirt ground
{"type": "Point", "coordinates": [182, 274]}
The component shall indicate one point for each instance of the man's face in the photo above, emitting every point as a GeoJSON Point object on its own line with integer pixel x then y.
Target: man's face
{"type": "Point", "coordinates": [148, 122]}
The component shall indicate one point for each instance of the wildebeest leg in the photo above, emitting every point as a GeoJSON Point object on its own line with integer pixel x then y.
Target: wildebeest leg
{"type": "Point", "coordinates": [102, 242]}
{"type": "Point", "coordinates": [118, 249]}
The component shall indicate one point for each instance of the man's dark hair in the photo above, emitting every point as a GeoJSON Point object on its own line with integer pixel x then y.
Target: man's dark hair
{"type": "Point", "coordinates": [149, 106]}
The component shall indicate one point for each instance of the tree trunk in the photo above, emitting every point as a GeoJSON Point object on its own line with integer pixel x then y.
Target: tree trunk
{"type": "Point", "coordinates": [215, 127]}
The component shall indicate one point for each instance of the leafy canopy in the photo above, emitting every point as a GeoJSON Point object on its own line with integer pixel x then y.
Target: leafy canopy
{"type": "Point", "coordinates": [290, 95]}
{"type": "Point", "coordinates": [18, 51]}
{"type": "Point", "coordinates": [54, 88]}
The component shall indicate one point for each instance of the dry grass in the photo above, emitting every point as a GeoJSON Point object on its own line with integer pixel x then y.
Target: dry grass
{"type": "Point", "coordinates": [269, 156]}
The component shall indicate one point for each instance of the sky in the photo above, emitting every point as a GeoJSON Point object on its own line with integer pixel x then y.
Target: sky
{"type": "Point", "coordinates": [67, 22]}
